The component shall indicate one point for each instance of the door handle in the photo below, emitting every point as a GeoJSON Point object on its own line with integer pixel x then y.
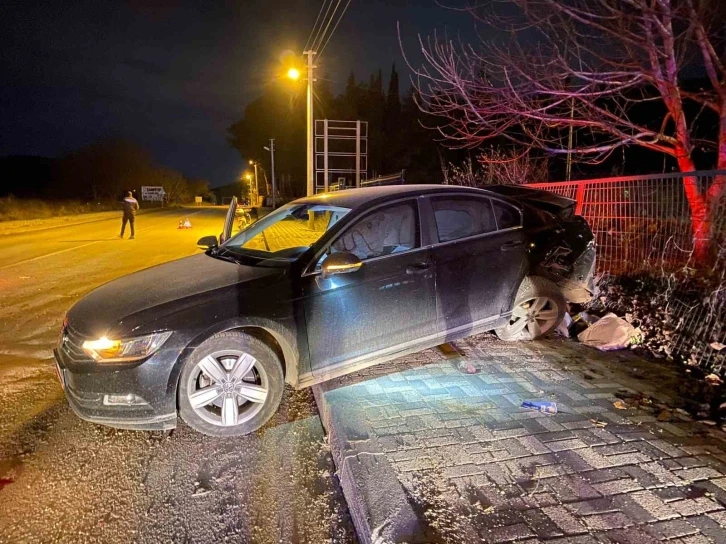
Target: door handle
{"type": "Point", "coordinates": [511, 246]}
{"type": "Point", "coordinates": [417, 268]}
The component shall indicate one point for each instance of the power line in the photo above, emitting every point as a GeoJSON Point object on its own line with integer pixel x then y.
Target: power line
{"type": "Point", "coordinates": [320, 52]}
{"type": "Point", "coordinates": [317, 42]}
{"type": "Point", "coordinates": [316, 23]}
{"type": "Point", "coordinates": [322, 24]}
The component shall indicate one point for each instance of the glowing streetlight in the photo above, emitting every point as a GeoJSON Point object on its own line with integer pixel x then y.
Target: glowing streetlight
{"type": "Point", "coordinates": [294, 74]}
{"type": "Point", "coordinates": [257, 185]}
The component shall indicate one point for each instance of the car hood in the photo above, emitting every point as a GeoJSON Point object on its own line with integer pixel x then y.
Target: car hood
{"type": "Point", "coordinates": [107, 306]}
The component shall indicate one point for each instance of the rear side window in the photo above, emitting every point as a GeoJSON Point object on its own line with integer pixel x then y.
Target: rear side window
{"type": "Point", "coordinates": [461, 217]}
{"type": "Point", "coordinates": [507, 216]}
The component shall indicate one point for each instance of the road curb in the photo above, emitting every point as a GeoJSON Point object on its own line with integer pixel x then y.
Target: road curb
{"type": "Point", "coordinates": [378, 505]}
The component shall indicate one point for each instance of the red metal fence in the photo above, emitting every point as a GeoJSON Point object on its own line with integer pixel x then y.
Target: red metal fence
{"type": "Point", "coordinates": [643, 224]}
{"type": "Point", "coordinates": [640, 222]}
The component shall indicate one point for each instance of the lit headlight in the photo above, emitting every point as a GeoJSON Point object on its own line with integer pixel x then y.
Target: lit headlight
{"type": "Point", "coordinates": [106, 350]}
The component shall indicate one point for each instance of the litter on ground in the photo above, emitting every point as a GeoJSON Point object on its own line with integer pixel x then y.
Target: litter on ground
{"type": "Point", "coordinates": [609, 333]}
{"type": "Point", "coordinates": [544, 406]}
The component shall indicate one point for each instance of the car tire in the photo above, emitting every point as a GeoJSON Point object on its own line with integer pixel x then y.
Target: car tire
{"type": "Point", "coordinates": [538, 309]}
{"type": "Point", "coordinates": [230, 385]}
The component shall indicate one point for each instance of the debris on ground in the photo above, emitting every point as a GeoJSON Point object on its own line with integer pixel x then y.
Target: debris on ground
{"type": "Point", "coordinates": [449, 515]}
{"type": "Point", "coordinates": [609, 333]}
{"type": "Point", "coordinates": [718, 346]}
{"type": "Point", "coordinates": [620, 405]}
{"type": "Point", "coordinates": [466, 367]}
{"type": "Point", "coordinates": [580, 320]}
{"type": "Point", "coordinates": [544, 406]}
{"type": "Point", "coordinates": [563, 329]}
{"type": "Point", "coordinates": [713, 379]}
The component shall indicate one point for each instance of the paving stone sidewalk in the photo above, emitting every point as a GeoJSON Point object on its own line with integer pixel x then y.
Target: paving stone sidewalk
{"type": "Point", "coordinates": [428, 453]}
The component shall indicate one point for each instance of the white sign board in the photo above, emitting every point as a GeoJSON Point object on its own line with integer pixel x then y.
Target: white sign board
{"type": "Point", "coordinates": [198, 199]}
{"type": "Point", "coordinates": [152, 193]}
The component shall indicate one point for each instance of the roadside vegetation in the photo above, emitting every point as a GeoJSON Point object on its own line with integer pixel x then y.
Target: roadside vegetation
{"type": "Point", "coordinates": [16, 209]}
{"type": "Point", "coordinates": [93, 178]}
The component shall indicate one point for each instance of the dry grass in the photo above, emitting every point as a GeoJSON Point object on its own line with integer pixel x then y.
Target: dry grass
{"type": "Point", "coordinates": [13, 209]}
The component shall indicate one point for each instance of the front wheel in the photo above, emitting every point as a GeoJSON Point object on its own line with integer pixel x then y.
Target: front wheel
{"type": "Point", "coordinates": [538, 309]}
{"type": "Point", "coordinates": [231, 385]}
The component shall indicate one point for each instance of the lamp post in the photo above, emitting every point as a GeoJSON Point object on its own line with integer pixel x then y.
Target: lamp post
{"type": "Point", "coordinates": [271, 149]}
{"type": "Point", "coordinates": [294, 74]}
{"type": "Point", "coordinates": [257, 185]}
{"type": "Point", "coordinates": [248, 177]}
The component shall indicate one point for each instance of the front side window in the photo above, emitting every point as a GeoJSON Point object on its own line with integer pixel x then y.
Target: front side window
{"type": "Point", "coordinates": [286, 233]}
{"type": "Point", "coordinates": [507, 216]}
{"type": "Point", "coordinates": [385, 231]}
{"type": "Point", "coordinates": [462, 217]}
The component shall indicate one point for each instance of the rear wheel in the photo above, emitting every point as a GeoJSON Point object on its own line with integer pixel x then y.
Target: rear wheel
{"type": "Point", "coordinates": [231, 385]}
{"type": "Point", "coordinates": [538, 309]}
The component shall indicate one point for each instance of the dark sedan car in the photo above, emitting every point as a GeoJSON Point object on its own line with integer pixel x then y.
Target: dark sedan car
{"type": "Point", "coordinates": [321, 287]}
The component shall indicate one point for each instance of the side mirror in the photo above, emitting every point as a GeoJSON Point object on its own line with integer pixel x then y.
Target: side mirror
{"type": "Point", "coordinates": [340, 263]}
{"type": "Point", "coordinates": [207, 242]}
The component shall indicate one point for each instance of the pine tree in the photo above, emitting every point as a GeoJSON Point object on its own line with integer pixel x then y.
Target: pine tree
{"type": "Point", "coordinates": [393, 99]}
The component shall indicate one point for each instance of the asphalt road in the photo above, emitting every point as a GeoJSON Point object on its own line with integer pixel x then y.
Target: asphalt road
{"type": "Point", "coordinates": [65, 480]}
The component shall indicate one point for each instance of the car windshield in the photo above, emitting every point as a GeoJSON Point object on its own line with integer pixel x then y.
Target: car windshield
{"type": "Point", "coordinates": [286, 233]}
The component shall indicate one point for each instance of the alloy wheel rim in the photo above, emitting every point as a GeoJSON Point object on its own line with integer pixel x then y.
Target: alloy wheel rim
{"type": "Point", "coordinates": [227, 388]}
{"type": "Point", "coordinates": [533, 317]}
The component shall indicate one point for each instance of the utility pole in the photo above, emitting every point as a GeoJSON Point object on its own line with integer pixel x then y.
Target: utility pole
{"type": "Point", "coordinates": [271, 149]}
{"type": "Point", "coordinates": [257, 185]}
{"type": "Point", "coordinates": [310, 125]}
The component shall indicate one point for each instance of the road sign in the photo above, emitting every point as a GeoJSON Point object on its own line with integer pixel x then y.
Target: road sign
{"type": "Point", "coordinates": [151, 194]}
{"type": "Point", "coordinates": [198, 200]}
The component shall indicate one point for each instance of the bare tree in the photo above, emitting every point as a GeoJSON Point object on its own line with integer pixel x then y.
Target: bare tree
{"type": "Point", "coordinates": [510, 167]}
{"type": "Point", "coordinates": [496, 166]}
{"type": "Point", "coordinates": [591, 63]}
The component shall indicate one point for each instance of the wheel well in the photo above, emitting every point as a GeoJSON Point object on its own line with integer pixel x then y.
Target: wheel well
{"type": "Point", "coordinates": [265, 336]}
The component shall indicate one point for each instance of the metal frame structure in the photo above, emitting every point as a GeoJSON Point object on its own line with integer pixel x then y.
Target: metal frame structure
{"type": "Point", "coordinates": [350, 142]}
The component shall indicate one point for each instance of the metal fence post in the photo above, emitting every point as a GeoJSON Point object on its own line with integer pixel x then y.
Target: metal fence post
{"type": "Point", "coordinates": [580, 197]}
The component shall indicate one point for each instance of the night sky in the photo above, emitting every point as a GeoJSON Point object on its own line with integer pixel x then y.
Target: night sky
{"type": "Point", "coordinates": [174, 75]}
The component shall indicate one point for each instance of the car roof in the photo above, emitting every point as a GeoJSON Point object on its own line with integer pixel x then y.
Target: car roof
{"type": "Point", "coordinates": [354, 198]}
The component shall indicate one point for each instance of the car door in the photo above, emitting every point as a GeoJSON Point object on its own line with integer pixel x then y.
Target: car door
{"type": "Point", "coordinates": [228, 221]}
{"type": "Point", "coordinates": [478, 264]}
{"type": "Point", "coordinates": [389, 302]}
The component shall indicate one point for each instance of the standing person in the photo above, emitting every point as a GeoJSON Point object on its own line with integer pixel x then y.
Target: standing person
{"type": "Point", "coordinates": [130, 207]}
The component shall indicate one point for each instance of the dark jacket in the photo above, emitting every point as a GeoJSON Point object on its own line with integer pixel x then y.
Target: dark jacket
{"type": "Point", "coordinates": [130, 206]}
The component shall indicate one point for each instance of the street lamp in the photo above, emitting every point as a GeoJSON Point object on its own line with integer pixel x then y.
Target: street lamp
{"type": "Point", "coordinates": [271, 149]}
{"type": "Point", "coordinates": [294, 74]}
{"type": "Point", "coordinates": [257, 185]}
{"type": "Point", "coordinates": [248, 177]}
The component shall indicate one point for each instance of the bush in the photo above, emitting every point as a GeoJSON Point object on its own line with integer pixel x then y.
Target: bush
{"type": "Point", "coordinates": [13, 209]}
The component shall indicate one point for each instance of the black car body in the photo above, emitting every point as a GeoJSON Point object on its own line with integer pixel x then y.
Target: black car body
{"type": "Point", "coordinates": [318, 310]}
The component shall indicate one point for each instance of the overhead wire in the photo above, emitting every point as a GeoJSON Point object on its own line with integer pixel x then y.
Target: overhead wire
{"type": "Point", "coordinates": [318, 41]}
{"type": "Point", "coordinates": [340, 18]}
{"type": "Point", "coordinates": [312, 31]}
